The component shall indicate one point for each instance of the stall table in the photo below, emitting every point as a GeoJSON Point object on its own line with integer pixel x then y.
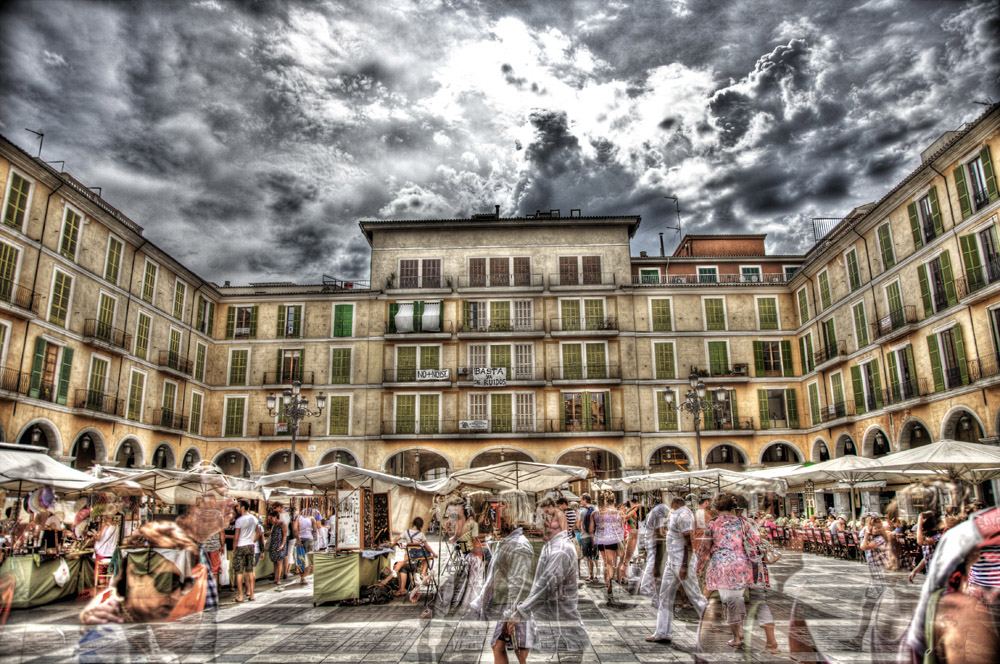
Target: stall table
{"type": "Point", "coordinates": [340, 576]}
{"type": "Point", "coordinates": [263, 570]}
{"type": "Point", "coordinates": [35, 585]}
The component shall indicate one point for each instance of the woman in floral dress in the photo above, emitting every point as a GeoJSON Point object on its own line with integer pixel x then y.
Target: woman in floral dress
{"type": "Point", "coordinates": [729, 569]}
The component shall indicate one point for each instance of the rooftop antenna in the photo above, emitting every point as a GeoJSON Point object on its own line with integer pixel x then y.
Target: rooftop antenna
{"type": "Point", "coordinates": [987, 102]}
{"type": "Point", "coordinates": [41, 139]}
{"type": "Point", "coordinates": [677, 228]}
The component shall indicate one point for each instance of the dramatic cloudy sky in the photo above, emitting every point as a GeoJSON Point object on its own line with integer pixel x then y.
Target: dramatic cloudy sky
{"type": "Point", "coordinates": [248, 138]}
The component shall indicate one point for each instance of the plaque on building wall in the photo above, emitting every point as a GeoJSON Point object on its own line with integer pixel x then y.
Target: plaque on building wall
{"type": "Point", "coordinates": [433, 374]}
{"type": "Point", "coordinates": [489, 376]}
{"type": "Point", "coordinates": [348, 519]}
{"type": "Point", "coordinates": [473, 425]}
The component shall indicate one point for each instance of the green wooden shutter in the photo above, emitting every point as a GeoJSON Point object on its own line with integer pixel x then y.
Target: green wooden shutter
{"type": "Point", "coordinates": [500, 358]}
{"type": "Point", "coordinates": [972, 262]}
{"type": "Point", "coordinates": [429, 413]}
{"type": "Point", "coordinates": [814, 413]}
{"type": "Point", "coordinates": [661, 315]}
{"type": "Point", "coordinates": [500, 315]}
{"type": "Point", "coordinates": [988, 173]}
{"type": "Point", "coordinates": [877, 385]}
{"type": "Point", "coordinates": [596, 361]}
{"type": "Point", "coordinates": [664, 360]}
{"type": "Point", "coordinates": [765, 413]}
{"type": "Point", "coordinates": [802, 354]}
{"type": "Point", "coordinates": [824, 290]}
{"type": "Point", "coordinates": [572, 359]}
{"type": "Point", "coordinates": [418, 316]}
{"type": "Point", "coordinates": [860, 324]}
{"type": "Point", "coordinates": [963, 191]}
{"type": "Point", "coordinates": [210, 328]}
{"type": "Point", "coordinates": [253, 322]}
{"type": "Point", "coordinates": [758, 358]}
{"type": "Point", "coordinates": [786, 358]}
{"type": "Point", "coordinates": [936, 213]}
{"type": "Point", "coordinates": [918, 236]}
{"type": "Point", "coordinates": [406, 410]}
{"type": "Point", "coordinates": [732, 406]}
{"type": "Point", "coordinates": [570, 314]}
{"type": "Point", "coordinates": [64, 373]}
{"type": "Point", "coordinates": [792, 406]}
{"type": "Point", "coordinates": [810, 357]}
{"type": "Point", "coordinates": [430, 357]}
{"type": "Point", "coordinates": [803, 306]}
{"type": "Point", "coordinates": [895, 393]}
{"type": "Point", "coordinates": [593, 312]}
{"type": "Point", "coordinates": [709, 418]}
{"type": "Point", "coordinates": [343, 318]}
{"type": "Point", "coordinates": [935, 356]}
{"type": "Point", "coordinates": [297, 323]}
{"type": "Point", "coordinates": [406, 363]}
{"type": "Point", "coordinates": [963, 366]}
{"type": "Point", "coordinates": [281, 322]}
{"type": "Point", "coordinates": [925, 290]}
{"type": "Point", "coordinates": [501, 413]}
{"type": "Point", "coordinates": [281, 357]}
{"type": "Point", "coordinates": [199, 314]}
{"type": "Point", "coordinates": [662, 411]}
{"type": "Point", "coordinates": [853, 272]}
{"type": "Point", "coordinates": [393, 310]}
{"type": "Point", "coordinates": [859, 390]}
{"type": "Point", "coordinates": [718, 358]}
{"type": "Point", "coordinates": [35, 384]}
{"type": "Point", "coordinates": [885, 245]}
{"type": "Point", "coordinates": [230, 322]}
{"type": "Point", "coordinates": [949, 279]}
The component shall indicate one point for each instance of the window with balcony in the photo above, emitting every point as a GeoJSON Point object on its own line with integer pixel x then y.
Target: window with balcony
{"type": "Point", "coordinates": [105, 316]}
{"type": "Point", "coordinates": [340, 366]}
{"type": "Point", "coordinates": [69, 239]}
{"type": "Point", "coordinates": [174, 349]}
{"type": "Point", "coordinates": [727, 417]}
{"type": "Point", "coordinates": [665, 366]}
{"type": "Point", "coordinates": [50, 371]}
{"type": "Point", "coordinates": [507, 412]}
{"type": "Point", "coordinates": [718, 358]}
{"type": "Point", "coordinates": [420, 273]}
{"type": "Point", "coordinates": [579, 270]}
{"type": "Point", "coordinates": [981, 256]}
{"type": "Point", "coordinates": [290, 320]}
{"type": "Point", "coordinates": [803, 299]}
{"type": "Point", "coordinates": [180, 292]}
{"type": "Point", "coordinates": [649, 275]}
{"type": "Point", "coordinates": [343, 320]}
{"type": "Point", "coordinates": [894, 302]}
{"type": "Point", "coordinates": [666, 412]}
{"type": "Point", "coordinates": [582, 314]}
{"type": "Point", "coordinates": [418, 316]}
{"type": "Point", "coordinates": [205, 316]}
{"type": "Point", "coordinates": [925, 218]}
{"type": "Point", "coordinates": [16, 202]}
{"type": "Point", "coordinates": [947, 355]}
{"type": "Point", "coordinates": [136, 395]}
{"type": "Point", "coordinates": [411, 358]}
{"type": "Point", "coordinates": [339, 413]}
{"type": "Point", "coordinates": [97, 383]}
{"type": "Point", "coordinates": [814, 408]}
{"type": "Point", "coordinates": [9, 257]}
{"type": "Point", "coordinates": [418, 413]}
{"type": "Point", "coordinates": [200, 352]}
{"type": "Point", "coordinates": [806, 352]}
{"type": "Point", "coordinates": [142, 326]}
{"type": "Point", "coordinates": [113, 259]}
{"type": "Point", "coordinates": [167, 404]}
{"type": "Point", "coordinates": [839, 407]}
{"type": "Point", "coordinates": [708, 275]}
{"type": "Point", "coordinates": [829, 329]}
{"type": "Point", "coordinates": [234, 424]}
{"type": "Point", "coordinates": [778, 409]}
{"type": "Point", "coordinates": [62, 287]}
{"type": "Point", "coordinates": [194, 421]}
{"type": "Point", "coordinates": [772, 358]}
{"type": "Point", "coordinates": [289, 365]}
{"type": "Point", "coordinates": [976, 183]}
{"type": "Point", "coordinates": [860, 324]}
{"type": "Point", "coordinates": [767, 313]}
{"type": "Point", "coordinates": [902, 374]}
{"type": "Point", "coordinates": [149, 281]}
{"type": "Point", "coordinates": [660, 314]}
{"type": "Point", "coordinates": [584, 361]}
{"type": "Point", "coordinates": [585, 411]}
{"type": "Point", "coordinates": [499, 356]}
{"type": "Point", "coordinates": [238, 360]}
{"type": "Point", "coordinates": [867, 387]}
{"type": "Point", "coordinates": [241, 322]}
{"type": "Point", "coordinates": [886, 249]}
{"type": "Point", "coordinates": [824, 290]}
{"type": "Point", "coordinates": [750, 274]}
{"type": "Point", "coordinates": [937, 284]}
{"type": "Point", "coordinates": [499, 272]}
{"type": "Point", "coordinates": [852, 269]}
{"type": "Point", "coordinates": [715, 313]}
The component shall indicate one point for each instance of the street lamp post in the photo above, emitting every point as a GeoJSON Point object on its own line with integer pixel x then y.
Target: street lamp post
{"type": "Point", "coordinates": [292, 408]}
{"type": "Point", "coordinates": [696, 404]}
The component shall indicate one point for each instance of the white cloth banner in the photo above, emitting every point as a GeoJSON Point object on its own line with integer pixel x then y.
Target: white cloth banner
{"type": "Point", "coordinates": [433, 374]}
{"type": "Point", "coordinates": [432, 317]}
{"type": "Point", "coordinates": [404, 318]}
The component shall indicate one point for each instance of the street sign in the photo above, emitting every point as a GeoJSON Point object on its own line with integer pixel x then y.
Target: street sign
{"type": "Point", "coordinates": [473, 425]}
{"type": "Point", "coordinates": [433, 374]}
{"type": "Point", "coordinates": [489, 376]}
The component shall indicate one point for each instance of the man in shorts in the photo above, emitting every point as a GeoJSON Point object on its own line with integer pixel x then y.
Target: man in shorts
{"type": "Point", "coordinates": [243, 567]}
{"type": "Point", "coordinates": [586, 526]}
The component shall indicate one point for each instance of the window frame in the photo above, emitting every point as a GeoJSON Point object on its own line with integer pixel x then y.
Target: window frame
{"type": "Point", "coordinates": [69, 300]}
{"type": "Point", "coordinates": [699, 275]}
{"type": "Point", "coordinates": [173, 303]}
{"type": "Point", "coordinates": [67, 208]}
{"type": "Point", "coordinates": [194, 368]}
{"type": "Point", "coordinates": [163, 394]}
{"type": "Point", "coordinates": [114, 307]}
{"type": "Point", "coordinates": [786, 275]}
{"type": "Point", "coordinates": [416, 409]}
{"type": "Point", "coordinates": [892, 246]}
{"type": "Point", "coordinates": [420, 271]}
{"type": "Point", "coordinates": [581, 307]}
{"type": "Point", "coordinates": [760, 274]}
{"type": "Point", "coordinates": [847, 272]}
{"type": "Point", "coordinates": [229, 367]}
{"type": "Point", "coordinates": [128, 396]}
{"type": "Point", "coordinates": [156, 280]}
{"type": "Point", "coordinates": [819, 402]}
{"type": "Point", "coordinates": [488, 273]}
{"type": "Point", "coordinates": [350, 366]}
{"type": "Point", "coordinates": [829, 287]}
{"type": "Point", "coordinates": [781, 356]}
{"type": "Point", "coordinates": [777, 311]}
{"type": "Point", "coordinates": [656, 408]}
{"type": "Point", "coordinates": [107, 254]}
{"type": "Point", "coordinates": [90, 371]}
{"type": "Point", "coordinates": [652, 350]}
{"type": "Point", "coordinates": [864, 321]}
{"type": "Point", "coordinates": [201, 413]}
{"type": "Point", "coordinates": [833, 392]}
{"type": "Point", "coordinates": [333, 317]}
{"type": "Point", "coordinates": [966, 166]}
{"type": "Point", "coordinates": [798, 305]}
{"type": "Point", "coordinates": [350, 413]}
{"type": "Point", "coordinates": [27, 201]}
{"type": "Point", "coordinates": [583, 343]}
{"type": "Point", "coordinates": [649, 311]}
{"type": "Point", "coordinates": [708, 358]}
{"type": "Point", "coordinates": [17, 264]}
{"type": "Point", "coordinates": [135, 344]}
{"type": "Point", "coordinates": [885, 293]}
{"type": "Point", "coordinates": [704, 313]}
{"type": "Point", "coordinates": [659, 275]}
{"type": "Point", "coordinates": [225, 410]}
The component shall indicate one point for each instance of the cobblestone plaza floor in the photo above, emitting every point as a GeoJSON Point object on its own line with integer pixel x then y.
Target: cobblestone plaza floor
{"type": "Point", "coordinates": [824, 595]}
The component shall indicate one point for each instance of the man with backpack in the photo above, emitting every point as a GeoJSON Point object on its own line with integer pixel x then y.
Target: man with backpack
{"type": "Point", "coordinates": [587, 522]}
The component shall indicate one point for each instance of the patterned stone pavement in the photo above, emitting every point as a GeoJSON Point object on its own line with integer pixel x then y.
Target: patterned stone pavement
{"type": "Point", "coordinates": [824, 596]}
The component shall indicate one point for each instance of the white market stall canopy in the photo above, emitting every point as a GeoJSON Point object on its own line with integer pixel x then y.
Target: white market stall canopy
{"type": "Point", "coordinates": [850, 469]}
{"type": "Point", "coordinates": [26, 467]}
{"type": "Point", "coordinates": [527, 476]}
{"type": "Point", "coordinates": [973, 462]}
{"type": "Point", "coordinates": [332, 475]}
{"type": "Point", "coordinates": [180, 487]}
{"type": "Point", "coordinates": [713, 480]}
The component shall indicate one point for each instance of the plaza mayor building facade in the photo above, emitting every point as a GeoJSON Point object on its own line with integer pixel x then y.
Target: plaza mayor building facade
{"type": "Point", "coordinates": [490, 338]}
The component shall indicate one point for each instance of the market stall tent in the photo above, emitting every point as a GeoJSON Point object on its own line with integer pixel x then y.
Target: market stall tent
{"type": "Point", "coordinates": [972, 462]}
{"type": "Point", "coordinates": [713, 479]}
{"type": "Point", "coordinates": [527, 476]}
{"type": "Point", "coordinates": [26, 467]}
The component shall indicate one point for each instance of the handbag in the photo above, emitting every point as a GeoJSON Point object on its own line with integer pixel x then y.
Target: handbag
{"type": "Point", "coordinates": [753, 550]}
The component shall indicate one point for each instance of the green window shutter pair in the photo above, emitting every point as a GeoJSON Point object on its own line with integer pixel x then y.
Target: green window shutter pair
{"type": "Point", "coordinates": [837, 388]}
{"type": "Point", "coordinates": [112, 264]}
{"type": "Point", "coordinates": [230, 322]}
{"type": "Point", "coordinates": [792, 408]}
{"type": "Point", "coordinates": [199, 362]}
{"type": "Point", "coordinates": [59, 306]}
{"type": "Point", "coordinates": [824, 290]}
{"type": "Point", "coordinates": [853, 272]}
{"type": "Point", "coordinates": [665, 413]}
{"type": "Point", "coordinates": [406, 413]}
{"type": "Point", "coordinates": [238, 367]}
{"type": "Point", "coordinates": [803, 306]}
{"type": "Point", "coordinates": [593, 311]}
{"type": "Point", "coordinates": [718, 358]}
{"type": "Point", "coordinates": [430, 357]}
{"type": "Point", "coordinates": [963, 366]}
{"type": "Point", "coordinates": [767, 309]}
{"type": "Point", "coordinates": [8, 263]}
{"type": "Point", "coordinates": [105, 313]}
{"type": "Point", "coordinates": [963, 192]}
{"type": "Point", "coordinates": [895, 298]}
{"type": "Point", "coordinates": [17, 201]}
{"type": "Point", "coordinates": [597, 361]}
{"type": "Point", "coordinates": [661, 315]}
{"type": "Point", "coordinates": [786, 359]}
{"type": "Point", "coordinates": [180, 292]}
{"type": "Point", "coordinates": [860, 324]}
{"type": "Point", "coordinates": [343, 320]}
{"type": "Point", "coordinates": [949, 279]}
{"type": "Point", "coordinates": [340, 415]}
{"type": "Point", "coordinates": [174, 346]}
{"type": "Point", "coordinates": [429, 413]}
{"type": "Point", "coordinates": [973, 263]}
{"type": "Point", "coordinates": [664, 358]}
{"type": "Point", "coordinates": [500, 315]}
{"type": "Point", "coordinates": [570, 314]}
{"type": "Point", "coordinates": [925, 290]}
{"type": "Point", "coordinates": [989, 173]}
{"type": "Point", "coordinates": [814, 404]}
{"type": "Point", "coordinates": [340, 371]}
{"type": "Point", "coordinates": [149, 283]}
{"type": "Point", "coordinates": [572, 358]}
{"type": "Point", "coordinates": [501, 413]}
{"type": "Point", "coordinates": [234, 416]}
{"type": "Point", "coordinates": [765, 412]}
{"type": "Point", "coordinates": [885, 246]}
{"type": "Point", "coordinates": [406, 363]}
{"type": "Point", "coordinates": [860, 406]}
{"type": "Point", "coordinates": [758, 358]}
{"type": "Point", "coordinates": [169, 399]}
{"type": "Point", "coordinates": [35, 383]}
{"type": "Point", "coordinates": [934, 352]}
{"type": "Point", "coordinates": [936, 213]}
{"type": "Point", "coordinates": [893, 369]}
{"type": "Point", "coordinates": [70, 235]}
{"type": "Point", "coordinates": [715, 316]}
{"type": "Point", "coordinates": [137, 385]}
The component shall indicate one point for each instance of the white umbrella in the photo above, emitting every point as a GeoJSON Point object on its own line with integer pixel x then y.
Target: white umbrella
{"type": "Point", "coordinates": [528, 476]}
{"type": "Point", "coordinates": [715, 479]}
{"type": "Point", "coordinates": [849, 469]}
{"type": "Point", "coordinates": [29, 467]}
{"type": "Point", "coordinates": [972, 462]}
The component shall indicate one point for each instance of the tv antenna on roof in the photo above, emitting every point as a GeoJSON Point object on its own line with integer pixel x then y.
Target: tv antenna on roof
{"type": "Point", "coordinates": [41, 139]}
{"type": "Point", "coordinates": [676, 228]}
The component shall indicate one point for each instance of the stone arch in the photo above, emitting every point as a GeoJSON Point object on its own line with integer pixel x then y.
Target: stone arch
{"type": "Point", "coordinates": [195, 457]}
{"type": "Point", "coordinates": [230, 463]}
{"type": "Point", "coordinates": [818, 447]}
{"type": "Point", "coordinates": [167, 460]}
{"type": "Point", "coordinates": [656, 455]}
{"type": "Point", "coordinates": [405, 463]}
{"type": "Point", "coordinates": [953, 427]}
{"type": "Point", "coordinates": [275, 462]}
{"type": "Point", "coordinates": [723, 459]}
{"type": "Point", "coordinates": [51, 437]}
{"type": "Point", "coordinates": [96, 448]}
{"type": "Point", "coordinates": [491, 455]}
{"type": "Point", "coordinates": [845, 446]}
{"type": "Point", "coordinates": [907, 438]}
{"type": "Point", "coordinates": [781, 448]}
{"type": "Point", "coordinates": [136, 452]}
{"type": "Point", "coordinates": [870, 447]}
{"type": "Point", "coordinates": [603, 462]}
{"type": "Point", "coordinates": [332, 453]}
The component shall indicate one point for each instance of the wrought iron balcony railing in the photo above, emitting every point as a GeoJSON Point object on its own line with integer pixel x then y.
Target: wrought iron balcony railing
{"type": "Point", "coordinates": [103, 332]}
{"type": "Point", "coordinates": [897, 319]}
{"type": "Point", "coordinates": [19, 296]}
{"type": "Point", "coordinates": [288, 377]}
{"type": "Point", "coordinates": [585, 324]}
{"type": "Point", "coordinates": [520, 280]}
{"type": "Point", "coordinates": [99, 402]}
{"type": "Point", "coordinates": [586, 372]}
{"type": "Point", "coordinates": [176, 362]}
{"type": "Point", "coordinates": [169, 419]}
{"type": "Point", "coordinates": [271, 429]}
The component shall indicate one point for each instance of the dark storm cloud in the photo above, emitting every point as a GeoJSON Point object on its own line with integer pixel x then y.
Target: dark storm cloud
{"type": "Point", "coordinates": [268, 128]}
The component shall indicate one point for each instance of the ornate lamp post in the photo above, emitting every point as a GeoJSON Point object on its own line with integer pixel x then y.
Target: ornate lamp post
{"type": "Point", "coordinates": [292, 408]}
{"type": "Point", "coordinates": [696, 404]}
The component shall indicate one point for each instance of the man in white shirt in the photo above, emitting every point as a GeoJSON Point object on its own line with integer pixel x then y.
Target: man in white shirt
{"type": "Point", "coordinates": [680, 544]}
{"type": "Point", "coordinates": [243, 567]}
{"type": "Point", "coordinates": [655, 547]}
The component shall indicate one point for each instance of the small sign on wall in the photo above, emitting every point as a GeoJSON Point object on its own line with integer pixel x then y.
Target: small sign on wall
{"type": "Point", "coordinates": [473, 425]}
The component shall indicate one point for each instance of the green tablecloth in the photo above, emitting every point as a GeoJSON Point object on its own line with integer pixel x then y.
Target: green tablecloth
{"type": "Point", "coordinates": [35, 585]}
{"type": "Point", "coordinates": [338, 577]}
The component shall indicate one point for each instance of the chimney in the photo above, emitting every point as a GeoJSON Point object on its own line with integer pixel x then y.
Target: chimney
{"type": "Point", "coordinates": [642, 254]}
{"type": "Point", "coordinates": [661, 245]}
{"type": "Point", "coordinates": [227, 284]}
{"type": "Point", "coordinates": [498, 211]}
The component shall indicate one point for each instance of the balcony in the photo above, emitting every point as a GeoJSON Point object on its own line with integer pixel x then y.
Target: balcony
{"type": "Point", "coordinates": [392, 334]}
{"type": "Point", "coordinates": [484, 329]}
{"type": "Point", "coordinates": [827, 356]}
{"type": "Point", "coordinates": [770, 279]}
{"type": "Point", "coordinates": [285, 378]}
{"type": "Point", "coordinates": [428, 377]}
{"type": "Point", "coordinates": [907, 390]}
{"type": "Point", "coordinates": [527, 426]}
{"type": "Point", "coordinates": [169, 419]}
{"type": "Point", "coordinates": [584, 327]}
{"type": "Point", "coordinates": [470, 282]}
{"type": "Point", "coordinates": [897, 324]}
{"type": "Point", "coordinates": [18, 300]}
{"type": "Point", "coordinates": [985, 367]}
{"type": "Point", "coordinates": [283, 430]}
{"type": "Point", "coordinates": [425, 283]}
{"type": "Point", "coordinates": [13, 383]}
{"type": "Point", "coordinates": [740, 371]}
{"type": "Point", "coordinates": [599, 373]}
{"type": "Point", "coordinates": [101, 334]}
{"type": "Point", "coordinates": [99, 402]}
{"type": "Point", "coordinates": [589, 280]}
{"type": "Point", "coordinates": [516, 375]}
{"type": "Point", "coordinates": [502, 425]}
{"type": "Point", "coordinates": [953, 378]}
{"type": "Point", "coordinates": [613, 426]}
{"type": "Point", "coordinates": [973, 287]}
{"type": "Point", "coordinates": [174, 363]}
{"type": "Point", "coordinates": [980, 199]}
{"type": "Point", "coordinates": [836, 411]}
{"type": "Point", "coordinates": [740, 425]}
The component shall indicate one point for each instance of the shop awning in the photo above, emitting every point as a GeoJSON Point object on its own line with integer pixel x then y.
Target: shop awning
{"type": "Point", "coordinates": [28, 467]}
